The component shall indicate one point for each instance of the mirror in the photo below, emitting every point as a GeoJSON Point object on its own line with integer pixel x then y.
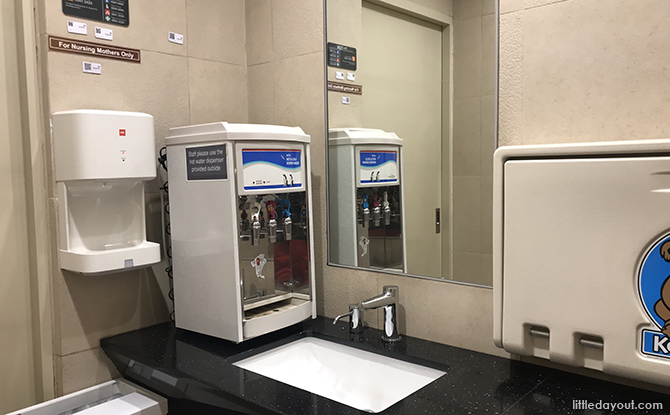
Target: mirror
{"type": "Point", "coordinates": [412, 109]}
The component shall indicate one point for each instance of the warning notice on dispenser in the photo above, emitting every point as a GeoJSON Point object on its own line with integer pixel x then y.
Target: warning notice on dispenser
{"type": "Point", "coordinates": [206, 163]}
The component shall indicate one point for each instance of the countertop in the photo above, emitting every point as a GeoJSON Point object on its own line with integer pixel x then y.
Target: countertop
{"type": "Point", "coordinates": [190, 367]}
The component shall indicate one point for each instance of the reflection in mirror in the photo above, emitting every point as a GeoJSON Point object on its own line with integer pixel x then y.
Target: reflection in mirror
{"type": "Point", "coordinates": [411, 115]}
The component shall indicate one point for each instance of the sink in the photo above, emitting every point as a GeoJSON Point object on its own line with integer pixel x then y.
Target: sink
{"type": "Point", "coordinates": [366, 381]}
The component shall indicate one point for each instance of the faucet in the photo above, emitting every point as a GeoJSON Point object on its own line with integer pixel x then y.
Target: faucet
{"type": "Point", "coordinates": [388, 299]}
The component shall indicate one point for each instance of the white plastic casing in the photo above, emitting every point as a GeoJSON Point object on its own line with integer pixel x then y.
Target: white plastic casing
{"type": "Point", "coordinates": [96, 144]}
{"type": "Point", "coordinates": [101, 159]}
{"type": "Point", "coordinates": [573, 226]}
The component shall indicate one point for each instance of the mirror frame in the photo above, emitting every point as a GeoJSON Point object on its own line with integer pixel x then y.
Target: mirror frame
{"type": "Point", "coordinates": [329, 262]}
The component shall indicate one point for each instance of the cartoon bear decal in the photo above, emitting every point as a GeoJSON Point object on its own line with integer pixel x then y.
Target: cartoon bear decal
{"type": "Point", "coordinates": [653, 282]}
{"type": "Point", "coordinates": [662, 306]}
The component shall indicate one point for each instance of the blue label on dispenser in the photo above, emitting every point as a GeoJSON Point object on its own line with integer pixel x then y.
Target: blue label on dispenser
{"type": "Point", "coordinates": [653, 284]}
{"type": "Point", "coordinates": [266, 169]}
{"type": "Point", "coordinates": [286, 159]}
{"type": "Point", "coordinates": [378, 167]}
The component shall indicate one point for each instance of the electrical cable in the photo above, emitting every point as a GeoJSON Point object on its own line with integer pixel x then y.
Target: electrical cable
{"type": "Point", "coordinates": [165, 222]}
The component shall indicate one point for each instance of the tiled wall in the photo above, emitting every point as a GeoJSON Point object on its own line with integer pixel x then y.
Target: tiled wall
{"type": "Point", "coordinates": [473, 139]}
{"type": "Point", "coordinates": [583, 70]}
{"type": "Point", "coordinates": [201, 81]}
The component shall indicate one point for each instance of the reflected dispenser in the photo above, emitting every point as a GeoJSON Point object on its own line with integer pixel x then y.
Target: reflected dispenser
{"type": "Point", "coordinates": [367, 226]}
{"type": "Point", "coordinates": [241, 227]}
{"type": "Point", "coordinates": [101, 161]}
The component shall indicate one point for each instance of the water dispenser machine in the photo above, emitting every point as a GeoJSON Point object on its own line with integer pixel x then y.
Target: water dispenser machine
{"type": "Point", "coordinates": [241, 226]}
{"type": "Point", "coordinates": [366, 198]}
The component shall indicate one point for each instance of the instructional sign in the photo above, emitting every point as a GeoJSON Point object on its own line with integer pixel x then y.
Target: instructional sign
{"type": "Point", "coordinates": [206, 163]}
{"type": "Point", "coordinates": [340, 56]}
{"type": "Point", "coordinates": [96, 49]}
{"type": "Point", "coordinates": [108, 11]}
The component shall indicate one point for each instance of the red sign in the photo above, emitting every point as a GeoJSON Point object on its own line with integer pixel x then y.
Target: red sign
{"type": "Point", "coordinates": [122, 133]}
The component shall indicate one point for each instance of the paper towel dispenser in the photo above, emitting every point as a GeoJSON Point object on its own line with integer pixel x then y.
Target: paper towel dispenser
{"type": "Point", "coordinates": [581, 255]}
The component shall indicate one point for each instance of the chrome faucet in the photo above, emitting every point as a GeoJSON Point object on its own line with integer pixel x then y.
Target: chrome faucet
{"type": "Point", "coordinates": [389, 301]}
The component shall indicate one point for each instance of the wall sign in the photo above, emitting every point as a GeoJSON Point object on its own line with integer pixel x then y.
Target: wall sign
{"type": "Point", "coordinates": [108, 11]}
{"type": "Point", "coordinates": [345, 88]}
{"type": "Point", "coordinates": [340, 56]}
{"type": "Point", "coordinates": [96, 49]}
{"type": "Point", "coordinates": [206, 163]}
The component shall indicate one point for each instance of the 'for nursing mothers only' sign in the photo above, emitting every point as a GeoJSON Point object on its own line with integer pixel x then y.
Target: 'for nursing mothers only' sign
{"type": "Point", "coordinates": [95, 49]}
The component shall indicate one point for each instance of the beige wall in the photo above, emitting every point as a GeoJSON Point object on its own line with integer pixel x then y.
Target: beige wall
{"type": "Point", "coordinates": [583, 70]}
{"type": "Point", "coordinates": [204, 80]}
{"type": "Point", "coordinates": [473, 140]}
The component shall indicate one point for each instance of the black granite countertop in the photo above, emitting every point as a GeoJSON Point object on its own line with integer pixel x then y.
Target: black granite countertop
{"type": "Point", "coordinates": [190, 367]}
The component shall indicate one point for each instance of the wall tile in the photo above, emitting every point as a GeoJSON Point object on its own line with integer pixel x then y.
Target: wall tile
{"type": "Point", "coordinates": [297, 27]}
{"type": "Point", "coordinates": [156, 86]}
{"type": "Point", "coordinates": [605, 79]}
{"type": "Point", "coordinates": [467, 9]}
{"type": "Point", "coordinates": [488, 145]}
{"type": "Point", "coordinates": [260, 85]}
{"type": "Point", "coordinates": [486, 270]}
{"type": "Point", "coordinates": [87, 368]}
{"type": "Point", "coordinates": [509, 6]}
{"type": "Point", "coordinates": [434, 310]}
{"type": "Point", "coordinates": [487, 215]}
{"type": "Point", "coordinates": [258, 31]}
{"type": "Point", "coordinates": [467, 214]}
{"type": "Point", "coordinates": [222, 40]}
{"type": "Point", "coordinates": [148, 29]}
{"type": "Point", "coordinates": [488, 55]}
{"type": "Point", "coordinates": [345, 22]}
{"type": "Point", "coordinates": [529, 4]}
{"type": "Point", "coordinates": [467, 266]}
{"type": "Point", "coordinates": [299, 93]}
{"type": "Point", "coordinates": [218, 92]}
{"type": "Point", "coordinates": [467, 58]}
{"type": "Point", "coordinates": [467, 136]}
{"type": "Point", "coordinates": [488, 7]}
{"type": "Point", "coordinates": [95, 307]}
{"type": "Point", "coordinates": [510, 82]}
{"type": "Point", "coordinates": [442, 6]}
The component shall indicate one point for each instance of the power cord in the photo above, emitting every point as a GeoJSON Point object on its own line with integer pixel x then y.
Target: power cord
{"type": "Point", "coordinates": [165, 221]}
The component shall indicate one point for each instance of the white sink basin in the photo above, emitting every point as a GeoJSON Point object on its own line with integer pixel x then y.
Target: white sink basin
{"type": "Point", "coordinates": [363, 380]}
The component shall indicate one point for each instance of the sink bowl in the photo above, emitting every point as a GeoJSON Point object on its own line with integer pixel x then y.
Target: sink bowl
{"type": "Point", "coordinates": [366, 381]}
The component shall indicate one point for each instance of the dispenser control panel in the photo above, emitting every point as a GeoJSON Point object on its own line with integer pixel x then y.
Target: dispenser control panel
{"type": "Point", "coordinates": [377, 166]}
{"type": "Point", "coordinates": [263, 168]}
